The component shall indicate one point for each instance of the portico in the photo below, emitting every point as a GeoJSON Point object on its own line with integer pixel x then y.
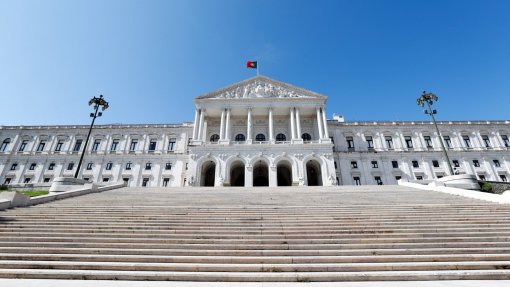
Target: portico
{"type": "Point", "coordinates": [269, 127]}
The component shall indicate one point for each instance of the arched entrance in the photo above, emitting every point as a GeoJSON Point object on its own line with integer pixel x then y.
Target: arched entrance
{"type": "Point", "coordinates": [313, 173]}
{"type": "Point", "coordinates": [260, 174]}
{"type": "Point", "coordinates": [237, 174]}
{"type": "Point", "coordinates": [284, 173]}
{"type": "Point", "coordinates": [208, 173]}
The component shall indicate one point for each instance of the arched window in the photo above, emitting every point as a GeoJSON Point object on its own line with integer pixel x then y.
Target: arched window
{"type": "Point", "coordinates": [260, 138]}
{"type": "Point", "coordinates": [306, 137]}
{"type": "Point", "coordinates": [215, 138]}
{"type": "Point", "coordinates": [5, 143]}
{"type": "Point", "coordinates": [281, 138]}
{"type": "Point", "coordinates": [240, 138]}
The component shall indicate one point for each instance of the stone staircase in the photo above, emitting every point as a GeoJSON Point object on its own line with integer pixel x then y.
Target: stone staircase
{"type": "Point", "coordinates": [258, 234]}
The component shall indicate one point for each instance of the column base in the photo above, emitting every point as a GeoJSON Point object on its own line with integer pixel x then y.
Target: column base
{"type": "Point", "coordinates": [224, 142]}
{"type": "Point", "coordinates": [248, 141]}
{"type": "Point", "coordinates": [296, 141]}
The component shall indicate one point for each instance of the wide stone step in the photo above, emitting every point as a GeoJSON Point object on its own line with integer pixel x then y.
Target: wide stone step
{"type": "Point", "coordinates": [259, 276]}
{"type": "Point", "coordinates": [201, 267]}
{"type": "Point", "coordinates": [243, 257]}
{"type": "Point", "coordinates": [10, 252]}
{"type": "Point", "coordinates": [258, 246]}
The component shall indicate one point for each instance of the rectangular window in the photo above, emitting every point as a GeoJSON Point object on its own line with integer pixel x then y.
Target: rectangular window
{"type": "Point", "coordinates": [128, 166]}
{"type": "Point", "coordinates": [7, 181]}
{"type": "Point", "coordinates": [32, 166]}
{"type": "Point", "coordinates": [467, 141]}
{"type": "Point", "coordinates": [374, 164]}
{"type": "Point", "coordinates": [23, 145]}
{"type": "Point", "coordinates": [95, 145]}
{"type": "Point", "coordinates": [59, 146]}
{"type": "Point", "coordinates": [186, 166]}
{"type": "Point", "coordinates": [496, 163]}
{"type": "Point", "coordinates": [370, 142]}
{"type": "Point", "coordinates": [14, 166]}
{"type": "Point", "coordinates": [428, 141]}
{"type": "Point", "coordinates": [51, 166]}
{"type": "Point", "coordinates": [350, 143]}
{"type": "Point", "coordinates": [398, 177]}
{"type": "Point", "coordinates": [356, 180]}
{"type": "Point", "coordinates": [41, 145]}
{"type": "Point", "coordinates": [77, 145]}
{"type": "Point", "coordinates": [46, 179]}
{"type": "Point", "coordinates": [476, 163]}
{"type": "Point", "coordinates": [86, 179]}
{"type": "Point", "coordinates": [506, 142]}
{"type": "Point", "coordinates": [148, 166]}
{"type": "Point", "coordinates": [168, 166]}
{"type": "Point", "coordinates": [165, 181]}
{"type": "Point", "coordinates": [171, 144]}
{"type": "Point", "coordinates": [419, 177]}
{"type": "Point", "coordinates": [70, 166]}
{"type": "Point", "coordinates": [126, 180]}
{"type": "Point", "coordinates": [409, 141]}
{"type": "Point", "coordinates": [132, 146]}
{"type": "Point", "coordinates": [456, 163]}
{"type": "Point", "coordinates": [435, 163]}
{"type": "Point", "coordinates": [447, 141]}
{"type": "Point", "coordinates": [145, 182]}
{"type": "Point", "coordinates": [486, 140]}
{"type": "Point", "coordinates": [114, 146]}
{"type": "Point", "coordinates": [502, 177]}
{"type": "Point", "coordinates": [389, 142]}
{"type": "Point", "coordinates": [354, 164]}
{"type": "Point", "coordinates": [109, 166]}
{"type": "Point", "coordinates": [89, 166]}
{"type": "Point", "coordinates": [106, 179]}
{"type": "Point", "coordinates": [152, 145]}
{"type": "Point", "coordinates": [336, 166]}
{"type": "Point", "coordinates": [415, 164]}
{"type": "Point", "coordinates": [394, 164]}
{"type": "Point", "coordinates": [378, 180]}
{"type": "Point", "coordinates": [481, 177]}
{"type": "Point", "coordinates": [27, 180]}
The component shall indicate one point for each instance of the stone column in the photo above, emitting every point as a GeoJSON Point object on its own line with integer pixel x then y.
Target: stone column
{"type": "Point", "coordinates": [227, 126]}
{"type": "Point", "coordinates": [201, 125]}
{"type": "Point", "coordinates": [298, 124]}
{"type": "Point", "coordinates": [195, 126]}
{"type": "Point", "coordinates": [292, 125]}
{"type": "Point", "coordinates": [222, 125]}
{"type": "Point", "coordinates": [271, 132]}
{"type": "Point", "coordinates": [319, 122]}
{"type": "Point", "coordinates": [248, 126]}
{"type": "Point", "coordinates": [325, 123]}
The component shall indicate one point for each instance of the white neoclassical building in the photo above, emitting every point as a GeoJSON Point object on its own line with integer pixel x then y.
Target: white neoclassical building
{"type": "Point", "coordinates": [258, 132]}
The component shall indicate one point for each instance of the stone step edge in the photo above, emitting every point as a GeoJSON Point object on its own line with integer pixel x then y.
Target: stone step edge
{"type": "Point", "coordinates": [259, 277]}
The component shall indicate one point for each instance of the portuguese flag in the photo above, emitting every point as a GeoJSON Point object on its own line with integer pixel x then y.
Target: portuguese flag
{"type": "Point", "coordinates": [251, 64]}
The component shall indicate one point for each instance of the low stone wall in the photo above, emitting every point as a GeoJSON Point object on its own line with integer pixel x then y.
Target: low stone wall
{"type": "Point", "coordinates": [28, 186]}
{"type": "Point", "coordinates": [499, 187]}
{"type": "Point", "coordinates": [60, 195]}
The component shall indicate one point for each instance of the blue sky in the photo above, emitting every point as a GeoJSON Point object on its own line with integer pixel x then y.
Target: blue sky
{"type": "Point", "coordinates": [151, 58]}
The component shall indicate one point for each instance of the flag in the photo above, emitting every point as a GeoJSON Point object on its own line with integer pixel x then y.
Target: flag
{"type": "Point", "coordinates": [251, 64]}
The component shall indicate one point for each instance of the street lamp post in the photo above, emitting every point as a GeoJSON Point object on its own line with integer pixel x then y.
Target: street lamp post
{"type": "Point", "coordinates": [429, 98]}
{"type": "Point", "coordinates": [97, 102]}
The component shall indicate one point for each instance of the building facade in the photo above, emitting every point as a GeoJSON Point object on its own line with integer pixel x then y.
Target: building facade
{"type": "Point", "coordinates": [258, 132]}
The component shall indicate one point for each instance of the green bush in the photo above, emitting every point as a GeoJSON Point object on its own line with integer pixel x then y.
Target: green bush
{"type": "Point", "coordinates": [486, 187]}
{"type": "Point", "coordinates": [3, 187]}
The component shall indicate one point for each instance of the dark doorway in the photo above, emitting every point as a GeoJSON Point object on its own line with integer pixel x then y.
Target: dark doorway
{"type": "Point", "coordinates": [313, 173]}
{"type": "Point", "coordinates": [237, 174]}
{"type": "Point", "coordinates": [208, 174]}
{"type": "Point", "coordinates": [284, 174]}
{"type": "Point", "coordinates": [260, 174]}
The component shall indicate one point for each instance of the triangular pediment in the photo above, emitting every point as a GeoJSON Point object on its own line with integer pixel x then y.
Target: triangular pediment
{"type": "Point", "coordinates": [261, 87]}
